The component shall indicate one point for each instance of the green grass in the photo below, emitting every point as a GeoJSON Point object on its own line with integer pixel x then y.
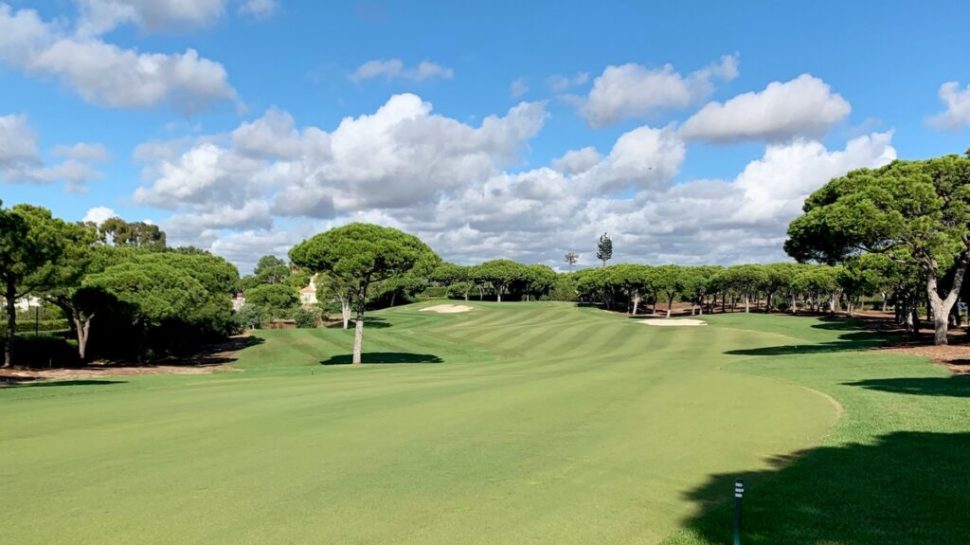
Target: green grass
{"type": "Point", "coordinates": [516, 423]}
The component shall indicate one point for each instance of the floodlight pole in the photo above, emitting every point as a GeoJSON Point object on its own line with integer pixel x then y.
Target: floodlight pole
{"type": "Point", "coordinates": [738, 495]}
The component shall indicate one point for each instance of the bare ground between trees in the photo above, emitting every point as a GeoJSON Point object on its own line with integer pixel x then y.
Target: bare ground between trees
{"type": "Point", "coordinates": [213, 359]}
{"type": "Point", "coordinates": [955, 356]}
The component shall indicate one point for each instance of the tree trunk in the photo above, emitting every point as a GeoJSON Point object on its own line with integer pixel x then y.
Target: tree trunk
{"type": "Point", "coordinates": [941, 306]}
{"type": "Point", "coordinates": [83, 334]}
{"type": "Point", "coordinates": [11, 298]}
{"type": "Point", "coordinates": [78, 328]}
{"type": "Point", "coordinates": [794, 303]}
{"type": "Point", "coordinates": [359, 326]}
{"type": "Point", "coordinates": [636, 303]}
{"type": "Point", "coordinates": [670, 304]}
{"type": "Point", "coordinates": [346, 312]}
{"type": "Point", "coordinates": [747, 303]}
{"type": "Point", "coordinates": [358, 338]}
{"type": "Point", "coordinates": [885, 301]}
{"type": "Point", "coordinates": [393, 297]}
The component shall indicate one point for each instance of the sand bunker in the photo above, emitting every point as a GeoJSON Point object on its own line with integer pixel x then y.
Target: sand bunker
{"type": "Point", "coordinates": [673, 322]}
{"type": "Point", "coordinates": [447, 309]}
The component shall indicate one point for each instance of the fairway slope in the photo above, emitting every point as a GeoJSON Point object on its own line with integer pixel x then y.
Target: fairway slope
{"type": "Point", "coordinates": [518, 423]}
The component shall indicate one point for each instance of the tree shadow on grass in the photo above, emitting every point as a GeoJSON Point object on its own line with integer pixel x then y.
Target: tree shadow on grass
{"type": "Point", "coordinates": [952, 386]}
{"type": "Point", "coordinates": [30, 382]}
{"type": "Point", "coordinates": [375, 322]}
{"type": "Point", "coordinates": [816, 348]}
{"type": "Point", "coordinates": [369, 323]}
{"type": "Point", "coordinates": [907, 488]}
{"type": "Point", "coordinates": [384, 358]}
{"type": "Point", "coordinates": [856, 340]}
{"type": "Point", "coordinates": [830, 323]}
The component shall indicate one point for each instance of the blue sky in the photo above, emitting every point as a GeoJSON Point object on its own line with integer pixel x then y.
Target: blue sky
{"type": "Point", "coordinates": [682, 187]}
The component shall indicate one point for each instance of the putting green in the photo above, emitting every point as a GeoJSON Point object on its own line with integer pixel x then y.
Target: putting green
{"type": "Point", "coordinates": [512, 423]}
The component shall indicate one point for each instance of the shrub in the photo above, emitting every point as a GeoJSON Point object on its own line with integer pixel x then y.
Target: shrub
{"type": "Point", "coordinates": [305, 319]}
{"type": "Point", "coordinates": [458, 290]}
{"type": "Point", "coordinates": [43, 351]}
{"type": "Point", "coordinates": [31, 325]}
{"type": "Point", "coordinates": [564, 288]}
{"type": "Point", "coordinates": [249, 317]}
{"type": "Point", "coordinates": [434, 292]}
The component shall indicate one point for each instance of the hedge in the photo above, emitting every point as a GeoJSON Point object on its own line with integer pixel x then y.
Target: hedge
{"type": "Point", "coordinates": [29, 326]}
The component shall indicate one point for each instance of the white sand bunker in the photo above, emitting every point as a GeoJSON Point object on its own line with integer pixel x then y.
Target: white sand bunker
{"type": "Point", "coordinates": [673, 322]}
{"type": "Point", "coordinates": [447, 309]}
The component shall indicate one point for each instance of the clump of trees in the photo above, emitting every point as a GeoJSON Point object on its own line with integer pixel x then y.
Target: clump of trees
{"type": "Point", "coordinates": [916, 214]}
{"type": "Point", "coordinates": [498, 278]}
{"type": "Point", "coordinates": [636, 288]}
{"type": "Point", "coordinates": [272, 293]}
{"type": "Point", "coordinates": [122, 291]}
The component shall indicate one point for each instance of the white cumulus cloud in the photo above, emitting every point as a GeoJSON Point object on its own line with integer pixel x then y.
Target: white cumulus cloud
{"type": "Point", "coordinates": [803, 107]}
{"type": "Point", "coordinates": [634, 90]}
{"type": "Point", "coordinates": [271, 182]}
{"type": "Point", "coordinates": [399, 156]}
{"type": "Point", "coordinates": [21, 161]}
{"type": "Point", "coordinates": [957, 102]}
{"type": "Point", "coordinates": [100, 16]}
{"type": "Point", "coordinates": [108, 75]}
{"type": "Point", "coordinates": [98, 215]}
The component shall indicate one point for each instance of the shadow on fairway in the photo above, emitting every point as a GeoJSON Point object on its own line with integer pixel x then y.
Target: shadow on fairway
{"type": "Point", "coordinates": [838, 324]}
{"type": "Point", "coordinates": [369, 323]}
{"type": "Point", "coordinates": [856, 340]}
{"type": "Point", "coordinates": [817, 348]}
{"type": "Point", "coordinates": [384, 357]}
{"type": "Point", "coordinates": [40, 383]}
{"type": "Point", "coordinates": [907, 487]}
{"type": "Point", "coordinates": [953, 386]}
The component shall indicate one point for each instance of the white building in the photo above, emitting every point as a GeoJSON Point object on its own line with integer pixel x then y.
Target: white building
{"type": "Point", "coordinates": [308, 295]}
{"type": "Point", "coordinates": [29, 302]}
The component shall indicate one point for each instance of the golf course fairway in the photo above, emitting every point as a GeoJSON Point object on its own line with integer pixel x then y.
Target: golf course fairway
{"type": "Point", "coordinates": [512, 423]}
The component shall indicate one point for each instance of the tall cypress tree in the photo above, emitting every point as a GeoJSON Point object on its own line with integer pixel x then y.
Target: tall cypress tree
{"type": "Point", "coordinates": [604, 250]}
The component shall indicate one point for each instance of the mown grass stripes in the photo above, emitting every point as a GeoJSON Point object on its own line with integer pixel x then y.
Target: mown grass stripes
{"type": "Point", "coordinates": [543, 423]}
